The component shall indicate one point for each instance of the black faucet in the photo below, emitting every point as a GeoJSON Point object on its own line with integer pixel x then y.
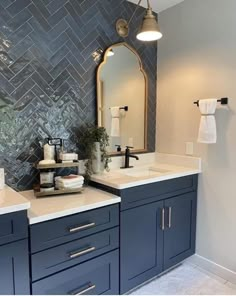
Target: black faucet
{"type": "Point", "coordinates": [127, 157]}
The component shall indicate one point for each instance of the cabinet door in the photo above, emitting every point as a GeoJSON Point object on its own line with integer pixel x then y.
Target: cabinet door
{"type": "Point", "coordinates": [180, 229]}
{"type": "Point", "coordinates": [14, 268]}
{"type": "Point", "coordinates": [13, 227]}
{"type": "Point", "coordinates": [141, 245]}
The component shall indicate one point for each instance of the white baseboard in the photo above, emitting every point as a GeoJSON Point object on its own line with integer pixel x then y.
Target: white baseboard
{"type": "Point", "coordinates": [214, 268]}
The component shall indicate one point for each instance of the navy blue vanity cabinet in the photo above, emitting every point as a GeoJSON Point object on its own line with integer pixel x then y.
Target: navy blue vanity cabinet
{"type": "Point", "coordinates": [157, 228]}
{"type": "Point", "coordinates": [141, 245]}
{"type": "Point", "coordinates": [76, 254]}
{"type": "Point", "coordinates": [14, 255]}
{"type": "Point", "coordinates": [180, 228]}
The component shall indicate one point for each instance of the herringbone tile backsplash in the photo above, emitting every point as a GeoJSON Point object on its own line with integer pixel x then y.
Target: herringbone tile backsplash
{"type": "Point", "coordinates": [47, 75]}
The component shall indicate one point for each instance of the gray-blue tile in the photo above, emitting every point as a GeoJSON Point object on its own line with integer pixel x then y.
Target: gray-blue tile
{"type": "Point", "coordinates": [60, 80]}
{"type": "Point", "coordinates": [17, 51]}
{"type": "Point", "coordinates": [19, 19]}
{"type": "Point", "coordinates": [17, 6]}
{"type": "Point", "coordinates": [57, 16]}
{"type": "Point", "coordinates": [59, 55]}
{"type": "Point", "coordinates": [20, 63]}
{"type": "Point", "coordinates": [42, 8]}
{"type": "Point", "coordinates": [6, 72]}
{"type": "Point", "coordinates": [22, 75]}
{"type": "Point", "coordinates": [60, 67]}
{"type": "Point", "coordinates": [22, 89]}
{"type": "Point", "coordinates": [55, 5]}
{"type": "Point", "coordinates": [5, 84]}
{"type": "Point", "coordinates": [42, 84]}
{"type": "Point", "coordinates": [39, 17]}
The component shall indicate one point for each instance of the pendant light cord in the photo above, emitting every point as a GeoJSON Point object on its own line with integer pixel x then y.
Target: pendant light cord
{"type": "Point", "coordinates": [135, 11]}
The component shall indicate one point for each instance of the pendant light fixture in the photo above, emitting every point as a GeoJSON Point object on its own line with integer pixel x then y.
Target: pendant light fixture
{"type": "Point", "coordinates": [149, 30]}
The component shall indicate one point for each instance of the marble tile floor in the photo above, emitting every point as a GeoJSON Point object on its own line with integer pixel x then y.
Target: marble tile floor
{"type": "Point", "coordinates": [186, 279]}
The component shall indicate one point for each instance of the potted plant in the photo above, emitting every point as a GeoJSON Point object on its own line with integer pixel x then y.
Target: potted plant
{"type": "Point", "coordinates": [95, 140]}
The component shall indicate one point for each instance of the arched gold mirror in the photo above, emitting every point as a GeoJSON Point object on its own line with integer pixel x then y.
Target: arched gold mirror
{"type": "Point", "coordinates": [122, 92]}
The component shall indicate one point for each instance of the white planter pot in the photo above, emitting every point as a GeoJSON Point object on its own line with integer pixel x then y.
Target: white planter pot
{"type": "Point", "coordinates": [97, 159]}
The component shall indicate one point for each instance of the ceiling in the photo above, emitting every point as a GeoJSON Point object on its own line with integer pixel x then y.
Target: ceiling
{"type": "Point", "coordinates": [159, 5]}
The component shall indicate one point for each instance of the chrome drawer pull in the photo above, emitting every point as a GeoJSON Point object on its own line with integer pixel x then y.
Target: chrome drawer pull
{"type": "Point", "coordinates": [84, 291]}
{"type": "Point", "coordinates": [80, 253]}
{"type": "Point", "coordinates": [170, 217]}
{"type": "Point", "coordinates": [163, 219]}
{"type": "Point", "coordinates": [82, 227]}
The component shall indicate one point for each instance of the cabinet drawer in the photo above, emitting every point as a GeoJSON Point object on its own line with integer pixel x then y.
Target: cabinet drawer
{"type": "Point", "coordinates": [13, 227]}
{"type": "Point", "coordinates": [94, 277]}
{"type": "Point", "coordinates": [70, 254]}
{"type": "Point", "coordinates": [52, 233]}
{"type": "Point", "coordinates": [136, 196]}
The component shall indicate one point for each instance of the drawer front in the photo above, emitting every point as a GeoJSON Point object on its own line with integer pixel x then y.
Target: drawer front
{"type": "Point", "coordinates": [136, 196]}
{"type": "Point", "coordinates": [13, 227]}
{"type": "Point", "coordinates": [52, 233]}
{"type": "Point", "coordinates": [95, 277]}
{"type": "Point", "coordinates": [62, 257]}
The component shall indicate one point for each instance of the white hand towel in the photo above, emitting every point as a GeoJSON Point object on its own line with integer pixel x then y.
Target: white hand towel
{"type": "Point", "coordinates": [115, 121]}
{"type": "Point", "coordinates": [207, 130]}
{"type": "Point", "coordinates": [68, 180]}
{"type": "Point", "coordinates": [70, 184]}
{"type": "Point", "coordinates": [59, 186]}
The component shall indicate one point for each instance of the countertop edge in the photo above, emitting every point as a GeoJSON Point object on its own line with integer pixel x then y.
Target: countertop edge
{"type": "Point", "coordinates": [147, 181]}
{"type": "Point", "coordinates": [15, 208]}
{"type": "Point", "coordinates": [73, 211]}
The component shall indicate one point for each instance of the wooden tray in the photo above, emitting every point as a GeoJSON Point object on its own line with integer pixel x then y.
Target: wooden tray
{"type": "Point", "coordinates": [58, 192]}
{"type": "Point", "coordinates": [57, 165]}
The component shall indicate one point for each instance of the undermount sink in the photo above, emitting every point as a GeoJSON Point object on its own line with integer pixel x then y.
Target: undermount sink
{"type": "Point", "coordinates": [147, 172]}
{"type": "Point", "coordinates": [141, 172]}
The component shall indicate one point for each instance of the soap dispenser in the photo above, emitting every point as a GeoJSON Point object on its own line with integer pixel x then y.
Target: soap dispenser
{"type": "Point", "coordinates": [118, 149]}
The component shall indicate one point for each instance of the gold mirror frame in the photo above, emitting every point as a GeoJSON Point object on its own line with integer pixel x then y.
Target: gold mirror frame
{"type": "Point", "coordinates": [100, 93]}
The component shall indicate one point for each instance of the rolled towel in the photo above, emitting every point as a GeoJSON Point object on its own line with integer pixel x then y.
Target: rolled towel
{"type": "Point", "coordinates": [115, 121]}
{"type": "Point", "coordinates": [69, 185]}
{"type": "Point", "coordinates": [71, 179]}
{"type": "Point", "coordinates": [71, 182]}
{"type": "Point", "coordinates": [207, 129]}
{"type": "Point", "coordinates": [59, 186]}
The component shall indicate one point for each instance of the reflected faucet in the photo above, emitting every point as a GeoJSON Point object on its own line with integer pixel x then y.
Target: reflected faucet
{"type": "Point", "coordinates": [127, 157]}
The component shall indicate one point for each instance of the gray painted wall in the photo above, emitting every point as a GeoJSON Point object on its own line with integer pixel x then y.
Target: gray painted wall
{"type": "Point", "coordinates": [196, 60]}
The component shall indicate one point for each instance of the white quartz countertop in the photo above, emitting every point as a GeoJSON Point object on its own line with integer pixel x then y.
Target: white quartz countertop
{"type": "Point", "coordinates": [12, 201]}
{"type": "Point", "coordinates": [48, 208]}
{"type": "Point", "coordinates": [150, 169]}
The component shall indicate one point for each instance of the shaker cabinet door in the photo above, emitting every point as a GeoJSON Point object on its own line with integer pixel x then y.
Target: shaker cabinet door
{"type": "Point", "coordinates": [141, 245]}
{"type": "Point", "coordinates": [14, 269]}
{"type": "Point", "coordinates": [180, 228]}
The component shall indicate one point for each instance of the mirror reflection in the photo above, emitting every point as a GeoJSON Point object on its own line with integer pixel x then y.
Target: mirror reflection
{"type": "Point", "coordinates": [122, 97]}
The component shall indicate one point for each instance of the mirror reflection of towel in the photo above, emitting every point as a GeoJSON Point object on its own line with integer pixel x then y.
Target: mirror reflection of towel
{"type": "Point", "coordinates": [115, 121]}
{"type": "Point", "coordinates": [207, 130]}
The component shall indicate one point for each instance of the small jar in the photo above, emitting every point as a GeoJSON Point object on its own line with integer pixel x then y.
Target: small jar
{"type": "Point", "coordinates": [47, 187]}
{"type": "Point", "coordinates": [47, 177]}
{"type": "Point", "coordinates": [49, 152]}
